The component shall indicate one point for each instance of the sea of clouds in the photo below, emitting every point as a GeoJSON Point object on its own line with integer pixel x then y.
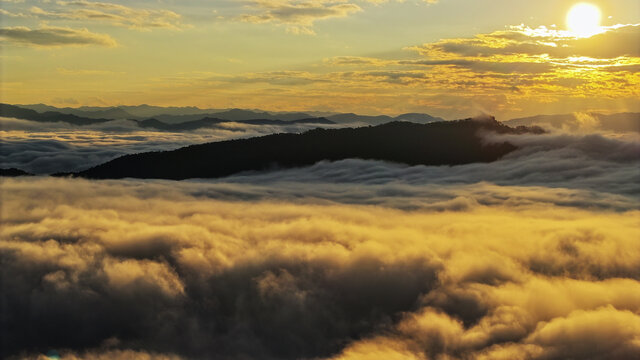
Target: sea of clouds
{"type": "Point", "coordinates": [142, 269]}
{"type": "Point", "coordinates": [534, 256]}
{"type": "Point", "coordinates": [46, 148]}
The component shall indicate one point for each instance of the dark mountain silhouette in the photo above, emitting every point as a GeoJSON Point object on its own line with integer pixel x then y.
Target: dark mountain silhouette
{"type": "Point", "coordinates": [174, 115]}
{"type": "Point", "coordinates": [189, 125]}
{"type": "Point", "coordinates": [146, 111]}
{"type": "Point", "coordinates": [84, 111]}
{"type": "Point", "coordinates": [240, 115]}
{"type": "Point", "coordinates": [613, 122]}
{"type": "Point", "coordinates": [52, 116]}
{"type": "Point", "coordinates": [7, 110]}
{"type": "Point", "coordinates": [319, 120]}
{"type": "Point", "coordinates": [66, 110]}
{"type": "Point", "coordinates": [440, 143]}
{"type": "Point", "coordinates": [12, 172]}
{"type": "Point", "coordinates": [418, 118]}
{"type": "Point", "coordinates": [229, 115]}
{"type": "Point", "coordinates": [381, 119]}
{"type": "Point", "coordinates": [213, 122]}
{"type": "Point", "coordinates": [237, 115]}
{"type": "Point", "coordinates": [179, 119]}
{"type": "Point", "coordinates": [351, 118]}
{"type": "Point", "coordinates": [120, 112]}
{"type": "Point", "coordinates": [115, 113]}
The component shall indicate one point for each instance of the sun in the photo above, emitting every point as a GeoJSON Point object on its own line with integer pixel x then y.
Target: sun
{"type": "Point", "coordinates": [584, 20]}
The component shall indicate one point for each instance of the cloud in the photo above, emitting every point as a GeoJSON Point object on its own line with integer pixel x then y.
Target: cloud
{"type": "Point", "coordinates": [45, 148]}
{"type": "Point", "coordinates": [113, 14]}
{"type": "Point", "coordinates": [282, 78]}
{"type": "Point", "coordinates": [582, 162]}
{"type": "Point", "coordinates": [298, 16]}
{"type": "Point", "coordinates": [51, 36]}
{"type": "Point", "coordinates": [487, 66]}
{"type": "Point", "coordinates": [147, 268]}
{"type": "Point", "coordinates": [4, 12]}
{"type": "Point", "coordinates": [520, 40]}
{"type": "Point", "coordinates": [523, 50]}
{"type": "Point", "coordinates": [477, 66]}
{"type": "Point", "coordinates": [597, 162]}
{"type": "Point", "coordinates": [602, 333]}
{"type": "Point", "coordinates": [355, 61]}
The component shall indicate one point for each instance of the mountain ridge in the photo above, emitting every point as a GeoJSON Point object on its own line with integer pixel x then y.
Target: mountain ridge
{"type": "Point", "coordinates": [438, 143]}
{"type": "Point", "coordinates": [201, 122]}
{"type": "Point", "coordinates": [173, 115]}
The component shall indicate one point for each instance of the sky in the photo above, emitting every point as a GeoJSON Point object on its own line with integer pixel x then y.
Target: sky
{"type": "Point", "coordinates": [533, 256]}
{"type": "Point", "coordinates": [448, 58]}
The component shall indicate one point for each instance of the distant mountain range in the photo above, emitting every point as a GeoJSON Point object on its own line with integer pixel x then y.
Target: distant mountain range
{"type": "Point", "coordinates": [173, 115]}
{"type": "Point", "coordinates": [7, 110]}
{"type": "Point", "coordinates": [613, 122]}
{"type": "Point", "coordinates": [438, 143]}
{"type": "Point", "coordinates": [236, 115]}
{"type": "Point", "coordinates": [164, 116]}
{"type": "Point", "coordinates": [213, 122]}
{"type": "Point", "coordinates": [13, 111]}
{"type": "Point", "coordinates": [382, 119]}
{"type": "Point", "coordinates": [121, 112]}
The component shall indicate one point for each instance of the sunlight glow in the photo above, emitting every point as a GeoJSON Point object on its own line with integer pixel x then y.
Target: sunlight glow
{"type": "Point", "coordinates": [583, 20]}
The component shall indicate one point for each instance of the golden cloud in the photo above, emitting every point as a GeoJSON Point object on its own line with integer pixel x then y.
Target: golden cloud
{"type": "Point", "coordinates": [612, 42]}
{"type": "Point", "coordinates": [114, 14]}
{"type": "Point", "coordinates": [165, 271]}
{"type": "Point", "coordinates": [52, 36]}
{"type": "Point", "coordinates": [298, 16]}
